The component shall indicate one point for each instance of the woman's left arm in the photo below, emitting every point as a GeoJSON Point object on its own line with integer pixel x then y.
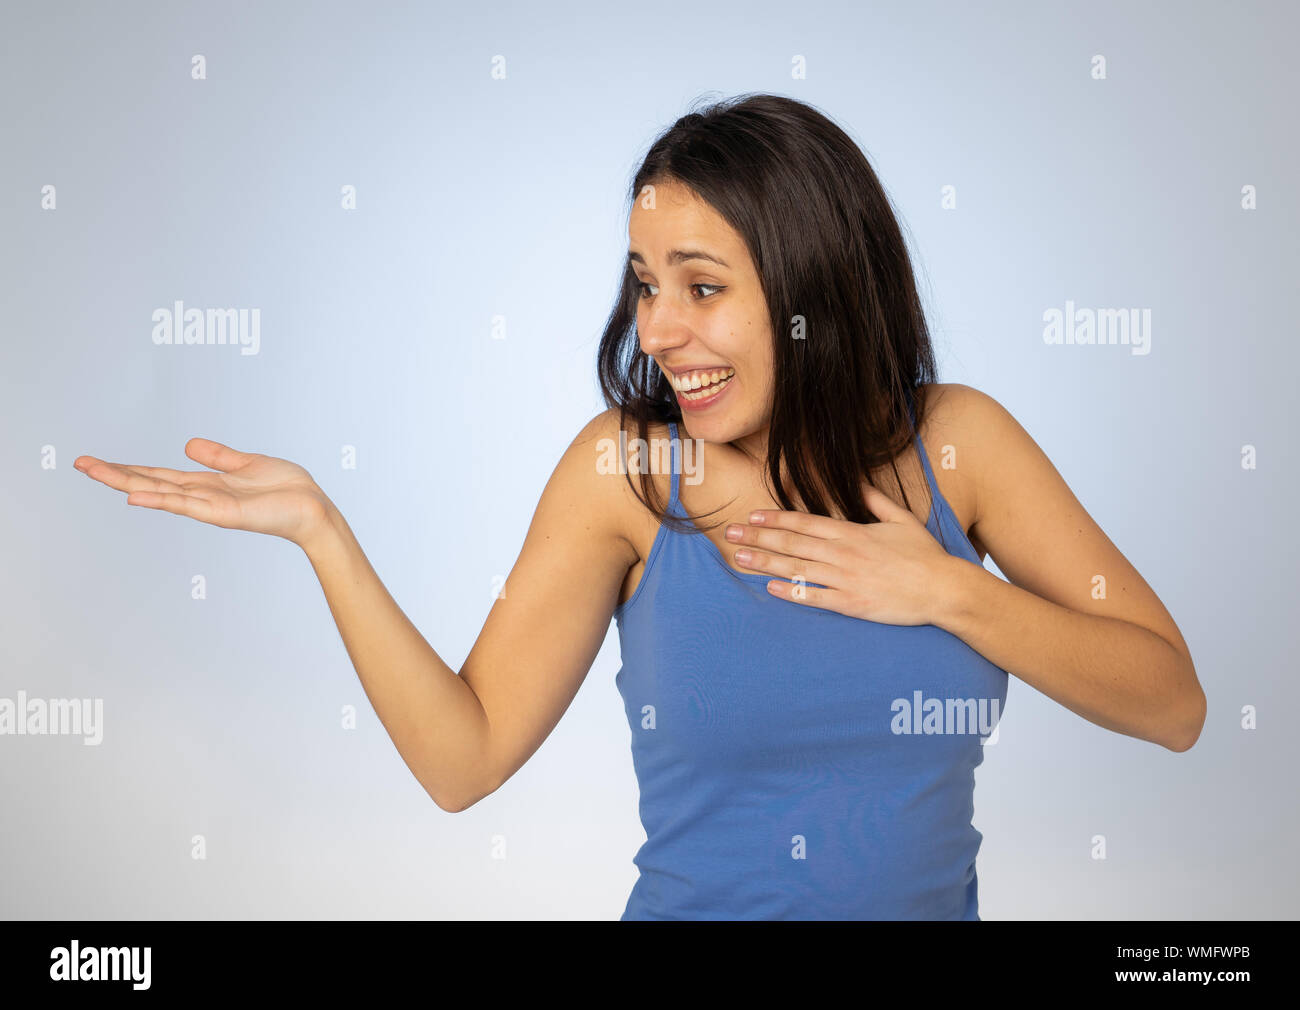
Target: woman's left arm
{"type": "Point", "coordinates": [1075, 621]}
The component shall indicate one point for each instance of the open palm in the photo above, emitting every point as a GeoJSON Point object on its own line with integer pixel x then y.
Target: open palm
{"type": "Point", "coordinates": [243, 491]}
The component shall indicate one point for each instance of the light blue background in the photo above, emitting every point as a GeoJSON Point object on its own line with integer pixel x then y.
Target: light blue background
{"type": "Point", "coordinates": [480, 198]}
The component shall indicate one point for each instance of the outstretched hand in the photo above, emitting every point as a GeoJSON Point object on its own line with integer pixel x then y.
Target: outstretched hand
{"type": "Point", "coordinates": [892, 572]}
{"type": "Point", "coordinates": [242, 490]}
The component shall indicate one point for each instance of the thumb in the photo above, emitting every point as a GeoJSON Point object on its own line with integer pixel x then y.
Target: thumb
{"type": "Point", "coordinates": [215, 455]}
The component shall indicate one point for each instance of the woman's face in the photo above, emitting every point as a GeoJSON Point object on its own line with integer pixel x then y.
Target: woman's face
{"type": "Point", "coordinates": [701, 313]}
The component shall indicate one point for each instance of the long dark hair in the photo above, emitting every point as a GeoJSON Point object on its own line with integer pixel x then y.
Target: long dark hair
{"type": "Point", "coordinates": [827, 247]}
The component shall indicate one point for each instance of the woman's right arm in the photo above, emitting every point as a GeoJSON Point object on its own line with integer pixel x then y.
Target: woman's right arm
{"type": "Point", "coordinates": [431, 715]}
{"type": "Point", "coordinates": [461, 735]}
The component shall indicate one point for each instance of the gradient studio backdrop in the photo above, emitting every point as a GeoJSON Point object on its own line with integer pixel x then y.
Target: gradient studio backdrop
{"type": "Point", "coordinates": [487, 202]}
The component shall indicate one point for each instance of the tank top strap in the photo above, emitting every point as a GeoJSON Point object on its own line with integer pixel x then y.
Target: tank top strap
{"type": "Point", "coordinates": [675, 468]}
{"type": "Point", "coordinates": [920, 448]}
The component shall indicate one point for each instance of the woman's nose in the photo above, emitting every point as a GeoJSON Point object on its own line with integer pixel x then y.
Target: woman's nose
{"type": "Point", "coordinates": [659, 331]}
{"type": "Point", "coordinates": [658, 341]}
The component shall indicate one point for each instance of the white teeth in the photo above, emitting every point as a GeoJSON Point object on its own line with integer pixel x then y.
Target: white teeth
{"type": "Point", "coordinates": [705, 392]}
{"type": "Point", "coordinates": [701, 379]}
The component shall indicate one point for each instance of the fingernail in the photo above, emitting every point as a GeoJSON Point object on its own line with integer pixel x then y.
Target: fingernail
{"type": "Point", "coordinates": [756, 517]}
{"type": "Point", "coordinates": [733, 532]}
{"type": "Point", "coordinates": [742, 556]}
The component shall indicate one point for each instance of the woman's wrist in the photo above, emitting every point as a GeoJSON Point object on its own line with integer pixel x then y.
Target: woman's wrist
{"type": "Point", "coordinates": [324, 531]}
{"type": "Point", "coordinates": [963, 585]}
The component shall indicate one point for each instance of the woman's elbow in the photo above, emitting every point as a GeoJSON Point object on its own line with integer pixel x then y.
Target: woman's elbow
{"type": "Point", "coordinates": [1190, 729]}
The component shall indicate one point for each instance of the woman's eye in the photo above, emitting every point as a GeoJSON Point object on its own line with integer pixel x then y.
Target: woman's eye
{"type": "Point", "coordinates": [713, 289]}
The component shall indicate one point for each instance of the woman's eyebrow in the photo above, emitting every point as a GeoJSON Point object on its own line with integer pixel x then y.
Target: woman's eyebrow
{"type": "Point", "coordinates": [676, 256]}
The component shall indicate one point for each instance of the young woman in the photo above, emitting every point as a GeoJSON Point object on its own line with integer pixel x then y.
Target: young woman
{"type": "Point", "coordinates": [810, 679]}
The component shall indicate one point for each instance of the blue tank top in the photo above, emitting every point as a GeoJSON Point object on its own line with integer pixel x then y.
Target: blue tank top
{"type": "Point", "coordinates": [796, 763]}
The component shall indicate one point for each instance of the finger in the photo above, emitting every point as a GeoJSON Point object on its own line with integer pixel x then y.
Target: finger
{"type": "Point", "coordinates": [884, 507]}
{"type": "Point", "coordinates": [800, 522]}
{"type": "Point", "coordinates": [123, 478]}
{"type": "Point", "coordinates": [163, 479]}
{"type": "Point", "coordinates": [177, 477]}
{"type": "Point", "coordinates": [217, 456]}
{"type": "Point", "coordinates": [791, 568]}
{"type": "Point", "coordinates": [788, 542]}
{"type": "Point", "coordinates": [177, 504]}
{"type": "Point", "coordinates": [804, 595]}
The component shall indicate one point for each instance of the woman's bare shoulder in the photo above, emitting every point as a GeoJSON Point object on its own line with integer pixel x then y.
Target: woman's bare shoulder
{"type": "Point", "coordinates": [954, 430]}
{"type": "Point", "coordinates": [957, 413]}
{"type": "Point", "coordinates": [608, 445]}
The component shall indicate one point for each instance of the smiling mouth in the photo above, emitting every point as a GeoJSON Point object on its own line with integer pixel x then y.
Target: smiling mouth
{"type": "Point", "coordinates": [700, 384]}
{"type": "Point", "coordinates": [705, 392]}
